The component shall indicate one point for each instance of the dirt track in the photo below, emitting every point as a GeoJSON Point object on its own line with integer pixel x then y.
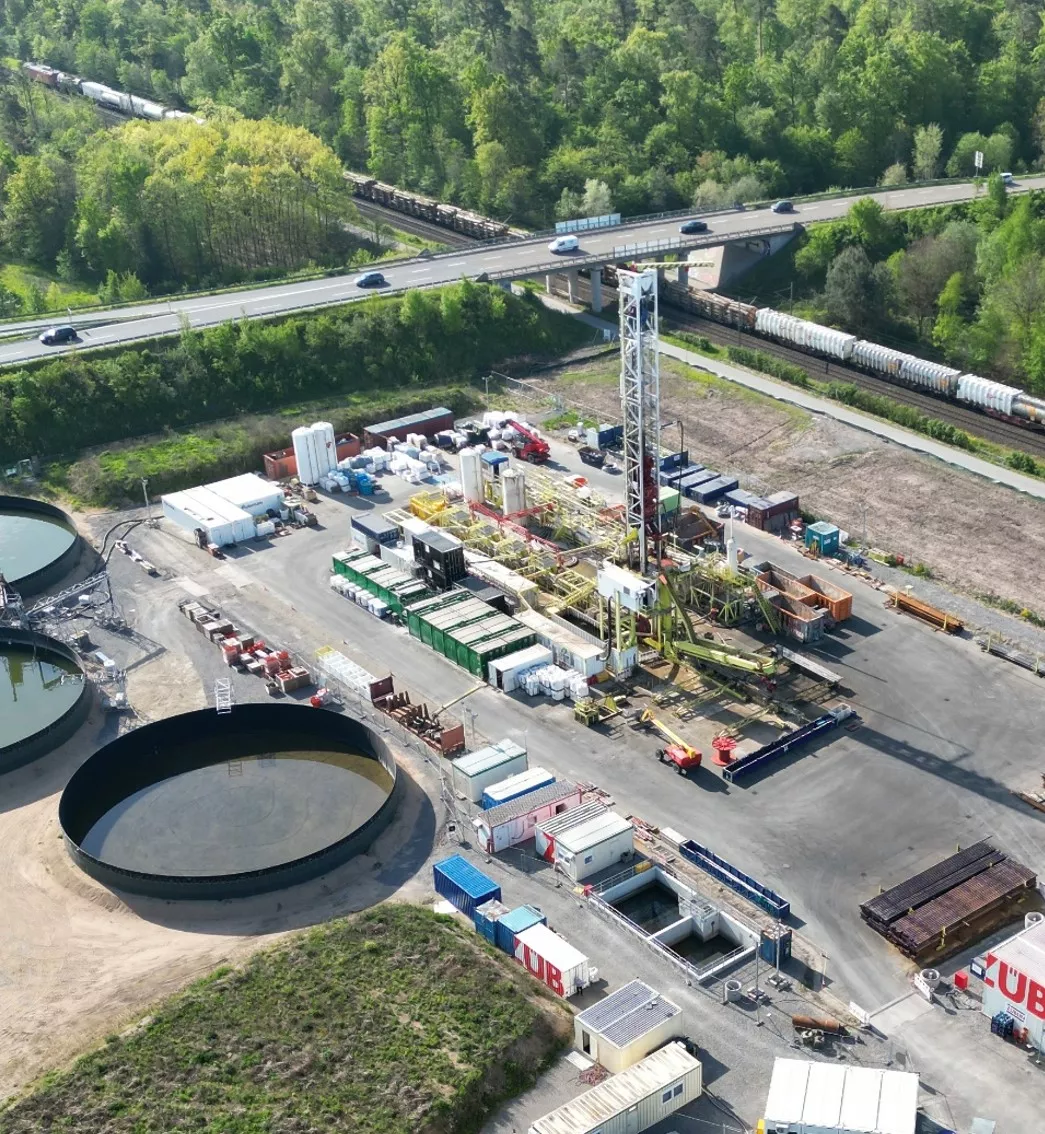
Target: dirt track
{"type": "Point", "coordinates": [978, 537]}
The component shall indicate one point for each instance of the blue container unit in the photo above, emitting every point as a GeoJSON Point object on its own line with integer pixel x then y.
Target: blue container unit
{"type": "Point", "coordinates": [511, 924]}
{"type": "Point", "coordinates": [494, 460]}
{"type": "Point", "coordinates": [735, 879]}
{"type": "Point", "coordinates": [486, 917]}
{"type": "Point", "coordinates": [746, 766]}
{"type": "Point", "coordinates": [674, 478]}
{"type": "Point", "coordinates": [674, 461]}
{"type": "Point", "coordinates": [711, 490]}
{"type": "Point", "coordinates": [693, 481]}
{"type": "Point", "coordinates": [774, 946]}
{"type": "Point", "coordinates": [515, 786]}
{"type": "Point", "coordinates": [459, 882]}
{"type": "Point", "coordinates": [376, 529]}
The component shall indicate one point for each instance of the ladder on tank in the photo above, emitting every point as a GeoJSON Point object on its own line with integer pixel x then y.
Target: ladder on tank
{"type": "Point", "coordinates": [223, 698]}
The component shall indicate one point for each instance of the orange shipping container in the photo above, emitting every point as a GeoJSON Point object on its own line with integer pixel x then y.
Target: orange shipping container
{"type": "Point", "coordinates": [837, 603]}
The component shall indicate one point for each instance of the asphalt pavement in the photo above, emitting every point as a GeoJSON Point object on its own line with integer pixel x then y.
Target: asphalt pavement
{"type": "Point", "coordinates": [513, 259]}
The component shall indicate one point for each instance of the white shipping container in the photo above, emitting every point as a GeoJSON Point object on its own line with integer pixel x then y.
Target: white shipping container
{"type": "Point", "coordinates": [553, 961]}
{"type": "Point", "coordinates": [986, 394]}
{"type": "Point", "coordinates": [632, 1101]}
{"type": "Point", "coordinates": [603, 841]}
{"type": "Point", "coordinates": [195, 508]}
{"type": "Point", "coordinates": [476, 771]}
{"type": "Point", "coordinates": [506, 673]}
{"type": "Point", "coordinates": [825, 1098]}
{"type": "Point", "coordinates": [511, 787]}
{"type": "Point", "coordinates": [250, 492]}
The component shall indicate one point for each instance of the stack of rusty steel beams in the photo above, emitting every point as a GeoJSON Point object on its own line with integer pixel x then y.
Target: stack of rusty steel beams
{"type": "Point", "coordinates": [951, 904]}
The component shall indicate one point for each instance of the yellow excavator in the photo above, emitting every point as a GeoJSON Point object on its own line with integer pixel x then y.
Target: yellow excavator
{"type": "Point", "coordinates": [683, 756]}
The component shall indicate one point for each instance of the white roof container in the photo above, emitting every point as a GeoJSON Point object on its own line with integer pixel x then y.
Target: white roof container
{"type": "Point", "coordinates": [199, 507]}
{"type": "Point", "coordinates": [476, 771]}
{"type": "Point", "coordinates": [250, 492]}
{"type": "Point", "coordinates": [824, 1098]}
{"type": "Point", "coordinates": [986, 394]}
{"type": "Point", "coordinates": [568, 648]}
{"type": "Point", "coordinates": [632, 1101]}
{"type": "Point", "coordinates": [504, 673]}
{"type": "Point", "coordinates": [553, 960]}
{"type": "Point", "coordinates": [593, 831]}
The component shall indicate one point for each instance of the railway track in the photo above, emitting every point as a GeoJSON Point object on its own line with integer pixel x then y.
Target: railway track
{"type": "Point", "coordinates": [968, 420]}
{"type": "Point", "coordinates": [413, 225]}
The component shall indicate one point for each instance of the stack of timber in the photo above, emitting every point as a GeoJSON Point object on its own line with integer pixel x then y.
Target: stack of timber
{"type": "Point", "coordinates": [951, 904]}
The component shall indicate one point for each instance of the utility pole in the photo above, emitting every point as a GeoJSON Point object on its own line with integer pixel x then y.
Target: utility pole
{"type": "Point", "coordinates": [472, 714]}
{"type": "Point", "coordinates": [486, 383]}
{"type": "Point", "coordinates": [148, 506]}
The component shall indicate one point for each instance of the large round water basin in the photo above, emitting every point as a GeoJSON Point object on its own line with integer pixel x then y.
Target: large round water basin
{"type": "Point", "coordinates": [208, 805]}
{"type": "Point", "coordinates": [43, 696]}
{"type": "Point", "coordinates": [38, 543]}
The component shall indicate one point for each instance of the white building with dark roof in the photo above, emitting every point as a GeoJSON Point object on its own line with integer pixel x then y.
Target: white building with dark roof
{"type": "Point", "coordinates": [626, 1026]}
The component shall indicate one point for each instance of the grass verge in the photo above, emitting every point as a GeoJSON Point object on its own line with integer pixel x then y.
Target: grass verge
{"type": "Point", "coordinates": [396, 1021]}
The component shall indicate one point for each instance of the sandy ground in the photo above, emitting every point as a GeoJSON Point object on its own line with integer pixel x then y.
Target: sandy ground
{"type": "Point", "coordinates": [78, 962]}
{"type": "Point", "coordinates": [977, 537]}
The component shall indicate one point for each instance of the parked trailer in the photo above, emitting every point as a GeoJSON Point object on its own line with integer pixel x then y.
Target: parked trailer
{"type": "Point", "coordinates": [741, 883]}
{"type": "Point", "coordinates": [457, 880]}
{"type": "Point", "coordinates": [756, 761]}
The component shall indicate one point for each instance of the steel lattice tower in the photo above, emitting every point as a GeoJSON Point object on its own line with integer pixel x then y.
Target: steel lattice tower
{"type": "Point", "coordinates": [640, 405]}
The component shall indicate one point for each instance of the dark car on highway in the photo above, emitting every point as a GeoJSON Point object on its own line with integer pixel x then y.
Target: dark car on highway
{"type": "Point", "coordinates": [691, 226]}
{"type": "Point", "coordinates": [54, 336]}
{"type": "Point", "coordinates": [783, 207]}
{"type": "Point", "coordinates": [370, 279]}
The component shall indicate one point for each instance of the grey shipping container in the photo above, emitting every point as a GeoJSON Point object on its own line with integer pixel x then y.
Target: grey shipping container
{"type": "Point", "coordinates": [376, 528]}
{"type": "Point", "coordinates": [710, 491]}
{"type": "Point", "coordinates": [429, 423]}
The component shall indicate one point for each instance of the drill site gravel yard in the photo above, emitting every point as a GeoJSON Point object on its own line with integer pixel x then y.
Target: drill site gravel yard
{"type": "Point", "coordinates": [395, 1021]}
{"type": "Point", "coordinates": [973, 535]}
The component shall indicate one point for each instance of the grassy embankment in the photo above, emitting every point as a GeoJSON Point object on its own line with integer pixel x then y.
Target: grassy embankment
{"type": "Point", "coordinates": [395, 1021]}
{"type": "Point", "coordinates": [351, 365]}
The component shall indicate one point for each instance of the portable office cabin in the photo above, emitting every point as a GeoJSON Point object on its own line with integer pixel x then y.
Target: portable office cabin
{"type": "Point", "coordinates": [250, 492]}
{"type": "Point", "coordinates": [457, 880]}
{"type": "Point", "coordinates": [504, 791]}
{"type": "Point", "coordinates": [546, 833]}
{"type": "Point", "coordinates": [825, 1098]}
{"type": "Point", "coordinates": [473, 773]}
{"type": "Point", "coordinates": [626, 1026]}
{"type": "Point", "coordinates": [513, 822]}
{"type": "Point", "coordinates": [632, 1101]}
{"type": "Point", "coordinates": [593, 846]}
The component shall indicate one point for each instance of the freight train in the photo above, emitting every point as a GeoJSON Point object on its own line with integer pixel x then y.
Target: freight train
{"type": "Point", "coordinates": [994, 398]}
{"type": "Point", "coordinates": [435, 212]}
{"type": "Point", "coordinates": [120, 101]}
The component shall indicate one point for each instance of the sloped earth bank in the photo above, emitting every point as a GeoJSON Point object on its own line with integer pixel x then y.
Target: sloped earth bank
{"type": "Point", "coordinates": [975, 536]}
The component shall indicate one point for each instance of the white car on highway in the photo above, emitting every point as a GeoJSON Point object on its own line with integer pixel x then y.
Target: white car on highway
{"type": "Point", "coordinates": [564, 244]}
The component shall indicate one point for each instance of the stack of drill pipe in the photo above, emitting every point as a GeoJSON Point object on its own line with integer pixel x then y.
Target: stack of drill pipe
{"type": "Point", "coordinates": [973, 899]}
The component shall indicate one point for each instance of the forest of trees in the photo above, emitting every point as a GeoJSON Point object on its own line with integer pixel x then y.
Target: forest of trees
{"type": "Point", "coordinates": [514, 106]}
{"type": "Point", "coordinates": [965, 283]}
{"type": "Point", "coordinates": [150, 205]}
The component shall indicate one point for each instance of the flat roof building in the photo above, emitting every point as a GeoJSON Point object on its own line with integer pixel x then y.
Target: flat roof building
{"type": "Point", "coordinates": [626, 1026]}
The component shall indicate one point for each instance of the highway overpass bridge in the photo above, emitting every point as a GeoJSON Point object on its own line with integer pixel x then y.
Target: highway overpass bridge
{"type": "Point", "coordinates": [649, 238]}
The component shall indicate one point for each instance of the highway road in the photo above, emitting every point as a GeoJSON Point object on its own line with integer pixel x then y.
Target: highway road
{"type": "Point", "coordinates": [511, 259]}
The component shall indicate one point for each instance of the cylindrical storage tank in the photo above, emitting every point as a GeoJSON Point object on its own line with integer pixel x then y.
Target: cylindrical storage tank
{"type": "Point", "coordinates": [44, 696]}
{"type": "Point", "coordinates": [304, 454]}
{"type": "Point", "coordinates": [471, 475]}
{"type": "Point", "coordinates": [206, 805]}
{"type": "Point", "coordinates": [325, 445]}
{"type": "Point", "coordinates": [39, 544]}
{"type": "Point", "coordinates": [732, 990]}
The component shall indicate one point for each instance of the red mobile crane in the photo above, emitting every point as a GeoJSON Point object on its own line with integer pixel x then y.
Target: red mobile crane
{"type": "Point", "coordinates": [531, 448]}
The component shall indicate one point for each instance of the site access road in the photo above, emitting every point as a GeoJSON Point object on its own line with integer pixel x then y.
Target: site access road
{"type": "Point", "coordinates": [650, 239]}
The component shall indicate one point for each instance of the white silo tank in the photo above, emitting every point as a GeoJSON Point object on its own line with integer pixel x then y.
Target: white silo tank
{"type": "Point", "coordinates": [513, 485]}
{"type": "Point", "coordinates": [471, 475]}
{"type": "Point", "coordinates": [325, 446]}
{"type": "Point", "coordinates": [305, 455]}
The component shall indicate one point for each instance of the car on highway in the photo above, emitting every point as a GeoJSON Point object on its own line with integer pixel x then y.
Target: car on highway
{"type": "Point", "coordinates": [55, 336]}
{"type": "Point", "coordinates": [783, 207]}
{"type": "Point", "coordinates": [691, 226]}
{"type": "Point", "coordinates": [370, 279]}
{"type": "Point", "coordinates": [1008, 179]}
{"type": "Point", "coordinates": [564, 244]}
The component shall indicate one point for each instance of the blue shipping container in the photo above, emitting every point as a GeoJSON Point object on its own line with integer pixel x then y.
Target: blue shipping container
{"type": "Point", "coordinates": [511, 924]}
{"type": "Point", "coordinates": [486, 917]}
{"type": "Point", "coordinates": [674, 461]}
{"type": "Point", "coordinates": [457, 880]}
{"type": "Point", "coordinates": [494, 798]}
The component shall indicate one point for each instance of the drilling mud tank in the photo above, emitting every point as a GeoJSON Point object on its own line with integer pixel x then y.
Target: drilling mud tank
{"type": "Point", "coordinates": [207, 805]}
{"type": "Point", "coordinates": [39, 544]}
{"type": "Point", "coordinates": [44, 697]}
